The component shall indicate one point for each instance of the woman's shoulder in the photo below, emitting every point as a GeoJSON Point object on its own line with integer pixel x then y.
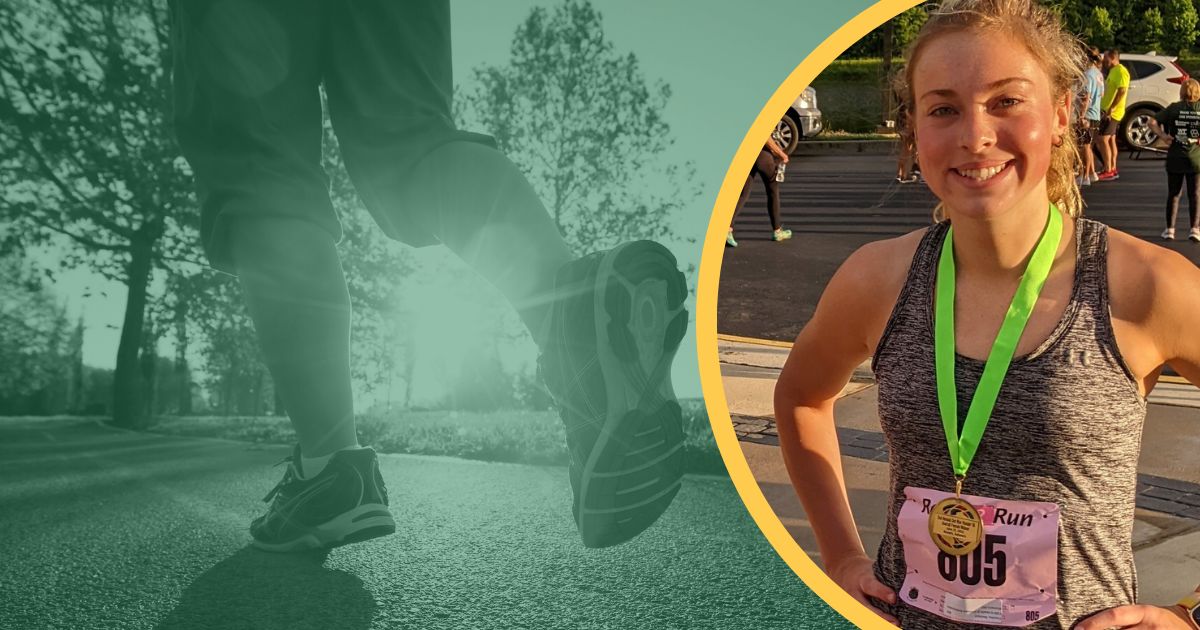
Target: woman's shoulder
{"type": "Point", "coordinates": [884, 262]}
{"type": "Point", "coordinates": [855, 306]}
{"type": "Point", "coordinates": [870, 281]}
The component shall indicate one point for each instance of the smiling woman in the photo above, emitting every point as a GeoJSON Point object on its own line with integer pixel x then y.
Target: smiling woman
{"type": "Point", "coordinates": [1013, 344]}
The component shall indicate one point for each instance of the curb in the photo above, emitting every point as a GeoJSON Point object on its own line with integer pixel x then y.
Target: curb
{"type": "Point", "coordinates": [845, 147]}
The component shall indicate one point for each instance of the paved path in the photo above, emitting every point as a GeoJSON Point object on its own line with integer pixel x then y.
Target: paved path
{"type": "Point", "coordinates": [113, 529]}
{"type": "Point", "coordinates": [837, 203]}
{"type": "Point", "coordinates": [1166, 531]}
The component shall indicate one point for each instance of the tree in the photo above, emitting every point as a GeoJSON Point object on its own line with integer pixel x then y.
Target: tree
{"type": "Point", "coordinates": [36, 342]}
{"type": "Point", "coordinates": [1179, 18]}
{"type": "Point", "coordinates": [1146, 33]}
{"type": "Point", "coordinates": [583, 123]}
{"type": "Point", "coordinates": [1099, 29]}
{"type": "Point", "coordinates": [87, 153]}
{"type": "Point", "coordinates": [907, 25]}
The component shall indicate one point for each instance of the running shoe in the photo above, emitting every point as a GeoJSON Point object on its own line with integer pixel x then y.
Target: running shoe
{"type": "Point", "coordinates": [729, 240]}
{"type": "Point", "coordinates": [345, 503]}
{"type": "Point", "coordinates": [1194, 235]}
{"type": "Point", "coordinates": [781, 235]}
{"type": "Point", "coordinates": [616, 324]}
{"type": "Point", "coordinates": [1107, 176]}
{"type": "Point", "coordinates": [1168, 234]}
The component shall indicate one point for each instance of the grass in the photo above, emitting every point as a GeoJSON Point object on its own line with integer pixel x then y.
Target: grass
{"type": "Point", "coordinates": [837, 134]}
{"type": "Point", "coordinates": [525, 437]}
{"type": "Point", "coordinates": [856, 69]}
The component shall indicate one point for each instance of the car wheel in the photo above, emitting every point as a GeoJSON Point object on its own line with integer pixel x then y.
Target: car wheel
{"type": "Point", "coordinates": [788, 133]}
{"type": "Point", "coordinates": [1135, 129]}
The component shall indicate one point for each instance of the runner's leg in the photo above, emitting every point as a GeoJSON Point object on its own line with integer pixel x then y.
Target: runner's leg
{"type": "Point", "coordinates": [248, 118]}
{"type": "Point", "coordinates": [1192, 180]}
{"type": "Point", "coordinates": [1174, 188]}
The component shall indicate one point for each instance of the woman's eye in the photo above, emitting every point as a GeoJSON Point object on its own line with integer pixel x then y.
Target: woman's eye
{"type": "Point", "coordinates": [941, 111]}
{"type": "Point", "coordinates": [1008, 102]}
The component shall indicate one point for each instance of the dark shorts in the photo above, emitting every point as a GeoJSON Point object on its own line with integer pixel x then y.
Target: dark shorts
{"type": "Point", "coordinates": [1085, 132]}
{"type": "Point", "coordinates": [1108, 125]}
{"type": "Point", "coordinates": [248, 112]}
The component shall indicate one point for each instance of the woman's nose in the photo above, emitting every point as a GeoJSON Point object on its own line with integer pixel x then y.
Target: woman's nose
{"type": "Point", "coordinates": [978, 131]}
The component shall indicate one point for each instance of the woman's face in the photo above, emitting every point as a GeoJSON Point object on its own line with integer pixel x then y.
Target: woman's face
{"type": "Point", "coordinates": [985, 121]}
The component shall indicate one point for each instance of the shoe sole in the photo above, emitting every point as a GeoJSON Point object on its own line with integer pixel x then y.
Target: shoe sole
{"type": "Point", "coordinates": [367, 521]}
{"type": "Point", "coordinates": [634, 469]}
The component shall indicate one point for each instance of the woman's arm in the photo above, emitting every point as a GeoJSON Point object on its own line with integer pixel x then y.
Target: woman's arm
{"type": "Point", "coordinates": [841, 334]}
{"type": "Point", "coordinates": [1157, 129]}
{"type": "Point", "coordinates": [1155, 294]}
{"type": "Point", "coordinates": [1174, 317]}
{"type": "Point", "coordinates": [776, 150]}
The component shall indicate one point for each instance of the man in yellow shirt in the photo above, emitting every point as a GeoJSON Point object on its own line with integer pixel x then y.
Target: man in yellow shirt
{"type": "Point", "coordinates": [1112, 110]}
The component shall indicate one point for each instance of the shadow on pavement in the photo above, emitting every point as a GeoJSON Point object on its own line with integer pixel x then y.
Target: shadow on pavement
{"type": "Point", "coordinates": [256, 589]}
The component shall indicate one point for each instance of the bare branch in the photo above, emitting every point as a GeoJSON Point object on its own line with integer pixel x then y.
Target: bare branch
{"type": "Point", "coordinates": [79, 238]}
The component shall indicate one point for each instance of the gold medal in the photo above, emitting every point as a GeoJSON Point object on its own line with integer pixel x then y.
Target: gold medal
{"type": "Point", "coordinates": [955, 526]}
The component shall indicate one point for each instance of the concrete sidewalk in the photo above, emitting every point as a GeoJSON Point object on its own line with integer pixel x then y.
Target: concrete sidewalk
{"type": "Point", "coordinates": [1167, 528]}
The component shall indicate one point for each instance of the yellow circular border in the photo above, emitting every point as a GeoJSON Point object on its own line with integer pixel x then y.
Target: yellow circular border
{"type": "Point", "coordinates": [706, 310]}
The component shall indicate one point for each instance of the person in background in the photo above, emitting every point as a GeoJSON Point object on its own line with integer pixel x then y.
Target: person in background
{"type": "Point", "coordinates": [907, 171]}
{"type": "Point", "coordinates": [766, 167]}
{"type": "Point", "coordinates": [1180, 122]}
{"type": "Point", "coordinates": [1089, 120]}
{"type": "Point", "coordinates": [1112, 111]}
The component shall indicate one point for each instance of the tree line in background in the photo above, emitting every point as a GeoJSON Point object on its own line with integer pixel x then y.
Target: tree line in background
{"type": "Point", "coordinates": [89, 168]}
{"type": "Point", "coordinates": [1164, 26]}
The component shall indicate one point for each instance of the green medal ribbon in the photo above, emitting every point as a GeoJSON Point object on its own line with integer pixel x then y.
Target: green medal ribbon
{"type": "Point", "coordinates": [962, 448]}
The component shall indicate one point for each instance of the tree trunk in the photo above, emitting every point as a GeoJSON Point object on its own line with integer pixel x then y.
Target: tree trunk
{"type": "Point", "coordinates": [149, 366]}
{"type": "Point", "coordinates": [76, 399]}
{"type": "Point", "coordinates": [183, 375]}
{"type": "Point", "coordinates": [127, 382]}
{"type": "Point", "coordinates": [885, 68]}
{"type": "Point", "coordinates": [227, 393]}
{"type": "Point", "coordinates": [258, 392]}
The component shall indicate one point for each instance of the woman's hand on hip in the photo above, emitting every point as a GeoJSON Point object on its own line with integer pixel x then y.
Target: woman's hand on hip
{"type": "Point", "coordinates": [1138, 616]}
{"type": "Point", "coordinates": [856, 576]}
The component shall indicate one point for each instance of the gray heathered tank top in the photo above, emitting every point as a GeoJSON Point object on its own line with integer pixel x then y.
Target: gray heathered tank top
{"type": "Point", "coordinates": [1066, 428]}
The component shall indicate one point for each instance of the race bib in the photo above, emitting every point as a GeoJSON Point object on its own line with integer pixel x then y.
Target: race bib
{"type": "Point", "coordinates": [1010, 579]}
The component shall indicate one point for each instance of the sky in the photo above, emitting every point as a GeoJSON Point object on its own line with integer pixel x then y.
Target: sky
{"type": "Point", "coordinates": [722, 60]}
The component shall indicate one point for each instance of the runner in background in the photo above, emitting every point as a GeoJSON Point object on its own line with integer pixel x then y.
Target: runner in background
{"type": "Point", "coordinates": [1089, 123]}
{"type": "Point", "coordinates": [768, 167]}
{"type": "Point", "coordinates": [1180, 122]}
{"type": "Point", "coordinates": [1013, 345]}
{"type": "Point", "coordinates": [1112, 111]}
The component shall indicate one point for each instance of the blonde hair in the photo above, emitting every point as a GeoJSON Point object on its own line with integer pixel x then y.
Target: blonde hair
{"type": "Point", "coordinates": [1059, 53]}
{"type": "Point", "coordinates": [1190, 91]}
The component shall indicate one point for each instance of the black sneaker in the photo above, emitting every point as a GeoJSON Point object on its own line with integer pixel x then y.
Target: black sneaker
{"type": "Point", "coordinates": [616, 325]}
{"type": "Point", "coordinates": [345, 503]}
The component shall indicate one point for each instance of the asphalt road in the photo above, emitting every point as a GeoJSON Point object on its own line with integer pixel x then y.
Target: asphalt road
{"type": "Point", "coordinates": [111, 529]}
{"type": "Point", "coordinates": [835, 204]}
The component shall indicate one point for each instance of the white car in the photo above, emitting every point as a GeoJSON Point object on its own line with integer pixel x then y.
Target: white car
{"type": "Point", "coordinates": [802, 120]}
{"type": "Point", "coordinates": [1154, 82]}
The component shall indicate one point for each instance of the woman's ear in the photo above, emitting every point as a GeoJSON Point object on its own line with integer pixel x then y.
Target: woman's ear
{"type": "Point", "coordinates": [1062, 115]}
